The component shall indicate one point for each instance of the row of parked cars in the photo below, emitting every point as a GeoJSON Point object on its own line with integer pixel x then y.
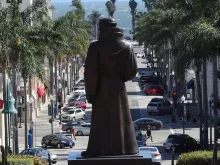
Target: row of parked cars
{"type": "Point", "coordinates": [75, 109]}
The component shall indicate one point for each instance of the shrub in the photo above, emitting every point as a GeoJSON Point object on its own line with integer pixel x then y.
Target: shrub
{"type": "Point", "coordinates": [36, 160]}
{"type": "Point", "coordinates": [19, 162]}
{"type": "Point", "coordinates": [197, 157]}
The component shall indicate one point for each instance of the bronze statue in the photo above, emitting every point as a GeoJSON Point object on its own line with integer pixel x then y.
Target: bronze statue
{"type": "Point", "coordinates": [109, 64]}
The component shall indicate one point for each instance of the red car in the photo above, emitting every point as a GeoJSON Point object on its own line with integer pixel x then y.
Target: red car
{"type": "Point", "coordinates": [153, 90]}
{"type": "Point", "coordinates": [80, 104]}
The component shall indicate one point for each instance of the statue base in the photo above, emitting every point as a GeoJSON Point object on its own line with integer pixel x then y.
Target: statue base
{"type": "Point", "coordinates": [75, 158]}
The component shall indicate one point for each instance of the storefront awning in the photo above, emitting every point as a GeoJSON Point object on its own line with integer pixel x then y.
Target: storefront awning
{"type": "Point", "coordinates": [190, 84]}
{"type": "Point", "coordinates": [40, 91]}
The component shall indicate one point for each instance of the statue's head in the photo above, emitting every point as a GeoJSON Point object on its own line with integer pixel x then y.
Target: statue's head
{"type": "Point", "coordinates": [106, 23]}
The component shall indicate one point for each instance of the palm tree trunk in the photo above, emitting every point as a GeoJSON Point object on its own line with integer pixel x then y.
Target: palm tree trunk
{"type": "Point", "coordinates": [67, 76]}
{"type": "Point", "coordinates": [25, 113]}
{"type": "Point", "coordinates": [31, 108]}
{"type": "Point", "coordinates": [133, 22]}
{"type": "Point", "coordinates": [14, 84]}
{"type": "Point", "coordinates": [199, 98]}
{"type": "Point", "coordinates": [51, 77]}
{"type": "Point", "coordinates": [56, 98]}
{"type": "Point", "coordinates": [71, 76]}
{"type": "Point", "coordinates": [215, 98]}
{"type": "Point", "coordinates": [5, 98]}
{"type": "Point", "coordinates": [205, 104]}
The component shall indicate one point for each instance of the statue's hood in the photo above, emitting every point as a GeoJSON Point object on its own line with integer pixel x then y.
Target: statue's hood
{"type": "Point", "coordinates": [111, 33]}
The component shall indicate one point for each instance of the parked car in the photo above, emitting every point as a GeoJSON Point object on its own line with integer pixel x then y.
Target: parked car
{"type": "Point", "coordinates": [83, 129]}
{"type": "Point", "coordinates": [79, 91]}
{"type": "Point", "coordinates": [68, 126]}
{"type": "Point", "coordinates": [78, 104]}
{"type": "Point", "coordinates": [69, 108]}
{"type": "Point", "coordinates": [143, 123]}
{"type": "Point", "coordinates": [140, 143]}
{"type": "Point", "coordinates": [181, 143]}
{"type": "Point", "coordinates": [73, 115]}
{"type": "Point", "coordinates": [146, 73]}
{"type": "Point", "coordinates": [72, 98]}
{"type": "Point", "coordinates": [40, 152]}
{"type": "Point", "coordinates": [78, 86]}
{"type": "Point", "coordinates": [159, 106]}
{"type": "Point", "coordinates": [152, 89]}
{"type": "Point", "coordinates": [57, 140]}
{"type": "Point", "coordinates": [147, 79]}
{"type": "Point", "coordinates": [156, 156]}
{"type": "Point", "coordinates": [82, 97]}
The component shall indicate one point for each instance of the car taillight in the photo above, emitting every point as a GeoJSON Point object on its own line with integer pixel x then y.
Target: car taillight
{"type": "Point", "coordinates": [161, 123]}
{"type": "Point", "coordinates": [156, 154]}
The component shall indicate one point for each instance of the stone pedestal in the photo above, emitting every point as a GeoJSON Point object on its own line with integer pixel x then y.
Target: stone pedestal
{"type": "Point", "coordinates": [75, 158]}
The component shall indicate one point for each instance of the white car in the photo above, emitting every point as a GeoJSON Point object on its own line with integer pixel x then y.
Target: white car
{"type": "Point", "coordinates": [156, 156]}
{"type": "Point", "coordinates": [83, 129]}
{"type": "Point", "coordinates": [79, 91]}
{"type": "Point", "coordinates": [73, 114]}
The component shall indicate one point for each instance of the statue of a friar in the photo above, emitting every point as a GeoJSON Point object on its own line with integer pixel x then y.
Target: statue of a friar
{"type": "Point", "coordinates": [109, 64]}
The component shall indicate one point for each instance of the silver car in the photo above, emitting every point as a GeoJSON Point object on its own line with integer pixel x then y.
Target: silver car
{"type": "Point", "coordinates": [156, 156]}
{"type": "Point", "coordinates": [83, 129]}
{"type": "Point", "coordinates": [160, 106]}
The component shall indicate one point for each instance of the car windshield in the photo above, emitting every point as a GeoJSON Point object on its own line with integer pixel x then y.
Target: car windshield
{"type": "Point", "coordinates": [152, 105]}
{"type": "Point", "coordinates": [156, 100]}
{"type": "Point", "coordinates": [29, 151]}
{"type": "Point", "coordinates": [70, 112]}
{"type": "Point", "coordinates": [148, 149]}
{"type": "Point", "coordinates": [60, 136]}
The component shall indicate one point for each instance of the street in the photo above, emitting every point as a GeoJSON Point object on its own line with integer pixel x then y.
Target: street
{"type": "Point", "coordinates": [138, 102]}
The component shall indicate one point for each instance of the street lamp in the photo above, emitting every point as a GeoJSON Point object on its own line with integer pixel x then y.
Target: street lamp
{"type": "Point", "coordinates": [210, 114]}
{"type": "Point", "coordinates": [184, 113]}
{"type": "Point", "coordinates": [8, 109]}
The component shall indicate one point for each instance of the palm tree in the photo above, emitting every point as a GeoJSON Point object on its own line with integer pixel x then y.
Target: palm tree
{"type": "Point", "coordinates": [149, 4]}
{"type": "Point", "coordinates": [111, 8]}
{"type": "Point", "coordinates": [94, 18]}
{"type": "Point", "coordinates": [171, 17]}
{"type": "Point", "coordinates": [133, 6]}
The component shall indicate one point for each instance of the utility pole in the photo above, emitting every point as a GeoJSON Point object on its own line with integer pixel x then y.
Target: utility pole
{"type": "Point", "coordinates": [215, 97]}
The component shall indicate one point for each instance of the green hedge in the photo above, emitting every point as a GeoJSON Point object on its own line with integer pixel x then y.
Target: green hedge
{"type": "Point", "coordinates": [24, 160]}
{"type": "Point", "coordinates": [197, 157]}
{"type": "Point", "coordinates": [19, 162]}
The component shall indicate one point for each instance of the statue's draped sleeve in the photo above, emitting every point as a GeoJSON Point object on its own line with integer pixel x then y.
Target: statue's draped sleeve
{"type": "Point", "coordinates": [91, 70]}
{"type": "Point", "coordinates": [131, 65]}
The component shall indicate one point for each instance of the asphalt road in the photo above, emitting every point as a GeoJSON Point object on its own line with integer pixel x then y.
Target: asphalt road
{"type": "Point", "coordinates": [138, 103]}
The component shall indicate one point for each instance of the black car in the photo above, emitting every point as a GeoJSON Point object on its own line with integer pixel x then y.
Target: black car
{"type": "Point", "coordinates": [68, 126]}
{"type": "Point", "coordinates": [181, 143]}
{"type": "Point", "coordinates": [147, 79]}
{"type": "Point", "coordinates": [40, 152]}
{"type": "Point", "coordinates": [143, 123]}
{"type": "Point", "coordinates": [57, 140]}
